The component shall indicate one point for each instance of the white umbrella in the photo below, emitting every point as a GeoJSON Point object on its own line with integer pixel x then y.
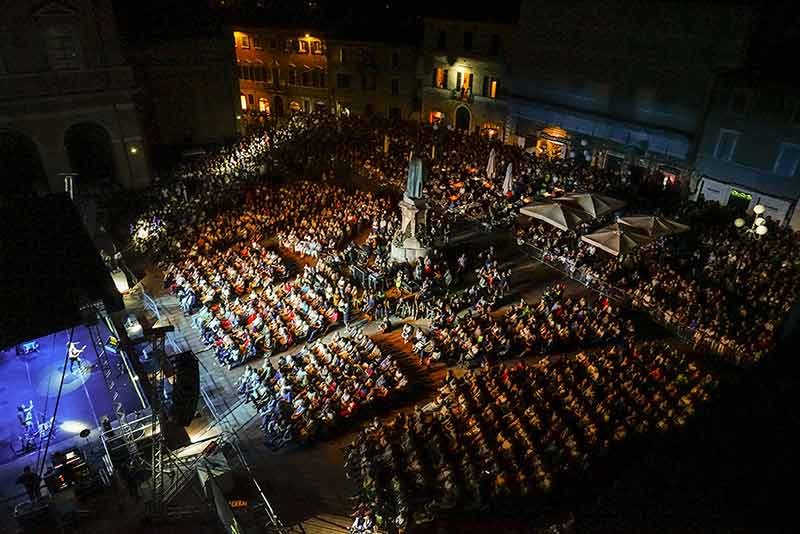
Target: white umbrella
{"type": "Point", "coordinates": [592, 203]}
{"type": "Point", "coordinates": [508, 182]}
{"type": "Point", "coordinates": [653, 226]}
{"type": "Point", "coordinates": [491, 164]}
{"type": "Point", "coordinates": [556, 214]}
{"type": "Point", "coordinates": [616, 239]}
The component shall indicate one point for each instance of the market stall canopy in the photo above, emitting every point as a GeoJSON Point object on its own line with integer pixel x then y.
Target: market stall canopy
{"type": "Point", "coordinates": [653, 226]}
{"type": "Point", "coordinates": [616, 239]}
{"type": "Point", "coordinates": [556, 214]}
{"type": "Point", "coordinates": [592, 203]}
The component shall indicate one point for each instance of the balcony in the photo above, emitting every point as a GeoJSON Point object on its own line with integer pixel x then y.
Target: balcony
{"type": "Point", "coordinates": [462, 96]}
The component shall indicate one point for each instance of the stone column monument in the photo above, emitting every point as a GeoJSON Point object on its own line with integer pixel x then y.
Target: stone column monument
{"type": "Point", "coordinates": [411, 240]}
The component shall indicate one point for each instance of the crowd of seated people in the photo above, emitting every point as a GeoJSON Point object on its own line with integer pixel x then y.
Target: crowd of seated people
{"type": "Point", "coordinates": [308, 394]}
{"type": "Point", "coordinates": [515, 432]}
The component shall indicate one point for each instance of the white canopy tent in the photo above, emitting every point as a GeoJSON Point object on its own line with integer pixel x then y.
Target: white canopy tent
{"type": "Point", "coordinates": [616, 239]}
{"type": "Point", "coordinates": [653, 226]}
{"type": "Point", "coordinates": [508, 183]}
{"type": "Point", "coordinates": [491, 165]}
{"type": "Point", "coordinates": [592, 203]}
{"type": "Point", "coordinates": [556, 214]}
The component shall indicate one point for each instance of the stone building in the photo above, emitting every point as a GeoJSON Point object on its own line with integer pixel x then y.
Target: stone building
{"type": "Point", "coordinates": [66, 99]}
{"type": "Point", "coordinates": [628, 82]}
{"type": "Point", "coordinates": [464, 72]}
{"type": "Point", "coordinates": [374, 77]}
{"type": "Point", "coordinates": [750, 149]}
{"type": "Point", "coordinates": [281, 70]}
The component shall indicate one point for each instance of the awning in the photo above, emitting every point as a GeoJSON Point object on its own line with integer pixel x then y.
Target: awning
{"type": "Point", "coordinates": [616, 239]}
{"type": "Point", "coordinates": [592, 203]}
{"type": "Point", "coordinates": [555, 214]}
{"type": "Point", "coordinates": [653, 226]}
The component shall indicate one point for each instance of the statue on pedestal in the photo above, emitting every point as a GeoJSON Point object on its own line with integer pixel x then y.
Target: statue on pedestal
{"type": "Point", "coordinates": [409, 243]}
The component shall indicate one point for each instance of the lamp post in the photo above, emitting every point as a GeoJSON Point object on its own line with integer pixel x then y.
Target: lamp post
{"type": "Point", "coordinates": [759, 224]}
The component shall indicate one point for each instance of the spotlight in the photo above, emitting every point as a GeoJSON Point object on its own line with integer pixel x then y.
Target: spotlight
{"type": "Point", "coordinates": [73, 427]}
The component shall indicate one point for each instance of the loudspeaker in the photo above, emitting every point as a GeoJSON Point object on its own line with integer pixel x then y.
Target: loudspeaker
{"type": "Point", "coordinates": [186, 387]}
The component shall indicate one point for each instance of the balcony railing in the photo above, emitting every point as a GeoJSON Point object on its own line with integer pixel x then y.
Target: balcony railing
{"type": "Point", "coordinates": [463, 96]}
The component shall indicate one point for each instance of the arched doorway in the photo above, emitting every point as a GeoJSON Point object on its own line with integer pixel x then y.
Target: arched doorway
{"type": "Point", "coordinates": [462, 118]}
{"type": "Point", "coordinates": [90, 153]}
{"type": "Point", "coordinates": [277, 106]}
{"type": "Point", "coordinates": [21, 164]}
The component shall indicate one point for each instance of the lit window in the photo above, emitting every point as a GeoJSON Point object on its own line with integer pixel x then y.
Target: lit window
{"type": "Point", "coordinates": [244, 41]}
{"type": "Point", "coordinates": [493, 89]}
{"type": "Point", "coordinates": [304, 47]}
{"type": "Point", "coordinates": [440, 78]}
{"type": "Point", "coordinates": [263, 105]}
{"type": "Point", "coordinates": [258, 42]}
{"type": "Point", "coordinates": [243, 101]}
{"type": "Point", "coordinates": [316, 47]}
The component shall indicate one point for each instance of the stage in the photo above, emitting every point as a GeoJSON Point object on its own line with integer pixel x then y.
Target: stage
{"type": "Point", "coordinates": [36, 377]}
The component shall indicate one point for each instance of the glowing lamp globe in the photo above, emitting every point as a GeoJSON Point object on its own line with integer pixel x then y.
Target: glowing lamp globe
{"type": "Point", "coordinates": [760, 221]}
{"type": "Point", "coordinates": [759, 209]}
{"type": "Point", "coordinates": [761, 230]}
{"type": "Point", "coordinates": [738, 223]}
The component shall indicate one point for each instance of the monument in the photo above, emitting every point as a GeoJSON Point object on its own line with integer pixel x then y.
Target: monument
{"type": "Point", "coordinates": [411, 240]}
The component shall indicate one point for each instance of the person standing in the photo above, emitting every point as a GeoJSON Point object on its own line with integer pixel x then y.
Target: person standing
{"type": "Point", "coordinates": [32, 483]}
{"type": "Point", "coordinates": [74, 353]}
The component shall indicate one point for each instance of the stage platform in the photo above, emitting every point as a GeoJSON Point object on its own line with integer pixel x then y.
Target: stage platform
{"type": "Point", "coordinates": [36, 377]}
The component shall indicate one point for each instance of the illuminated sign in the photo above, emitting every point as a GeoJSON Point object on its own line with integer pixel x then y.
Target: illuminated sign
{"type": "Point", "coordinates": [238, 503]}
{"type": "Point", "coordinates": [739, 194]}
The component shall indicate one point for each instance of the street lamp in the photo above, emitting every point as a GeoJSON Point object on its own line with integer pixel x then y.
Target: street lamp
{"type": "Point", "coordinates": [759, 226]}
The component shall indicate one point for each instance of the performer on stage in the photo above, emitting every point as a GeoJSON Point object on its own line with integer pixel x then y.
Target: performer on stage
{"type": "Point", "coordinates": [74, 355]}
{"type": "Point", "coordinates": [25, 415]}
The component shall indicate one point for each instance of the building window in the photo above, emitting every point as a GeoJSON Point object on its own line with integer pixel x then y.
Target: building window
{"type": "Point", "coordinates": [243, 101]}
{"type": "Point", "coordinates": [494, 46]}
{"type": "Point", "coordinates": [303, 47]}
{"type": "Point", "coordinates": [263, 105]}
{"type": "Point", "coordinates": [244, 41]}
{"type": "Point", "coordinates": [306, 78]}
{"type": "Point", "coordinates": [467, 40]}
{"type": "Point", "coordinates": [441, 40]}
{"type": "Point", "coordinates": [251, 101]}
{"type": "Point", "coordinates": [343, 55]}
{"type": "Point", "coordinates": [316, 47]}
{"type": "Point", "coordinates": [343, 81]}
{"type": "Point", "coordinates": [315, 78]}
{"type": "Point", "coordinates": [273, 44]}
{"type": "Point", "coordinates": [395, 87]}
{"type": "Point", "coordinates": [258, 42]}
{"type": "Point", "coordinates": [440, 78]}
{"type": "Point", "coordinates": [459, 76]}
{"type": "Point", "coordinates": [63, 49]}
{"type": "Point", "coordinates": [292, 76]}
{"type": "Point", "coordinates": [740, 101]}
{"type": "Point", "coordinates": [306, 106]}
{"type": "Point", "coordinates": [323, 78]}
{"type": "Point", "coordinates": [787, 161]}
{"type": "Point", "coordinates": [726, 144]}
{"type": "Point", "coordinates": [258, 73]}
{"type": "Point", "coordinates": [395, 60]}
{"type": "Point", "coordinates": [490, 87]}
{"type": "Point", "coordinates": [276, 77]}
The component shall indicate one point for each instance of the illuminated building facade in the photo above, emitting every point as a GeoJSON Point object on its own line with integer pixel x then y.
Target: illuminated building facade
{"type": "Point", "coordinates": [464, 73]}
{"type": "Point", "coordinates": [281, 71]}
{"type": "Point", "coordinates": [66, 99]}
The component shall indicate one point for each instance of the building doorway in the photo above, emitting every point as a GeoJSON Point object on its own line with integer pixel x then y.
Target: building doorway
{"type": "Point", "coordinates": [278, 106]}
{"type": "Point", "coordinates": [90, 153]}
{"type": "Point", "coordinates": [21, 166]}
{"type": "Point", "coordinates": [462, 119]}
